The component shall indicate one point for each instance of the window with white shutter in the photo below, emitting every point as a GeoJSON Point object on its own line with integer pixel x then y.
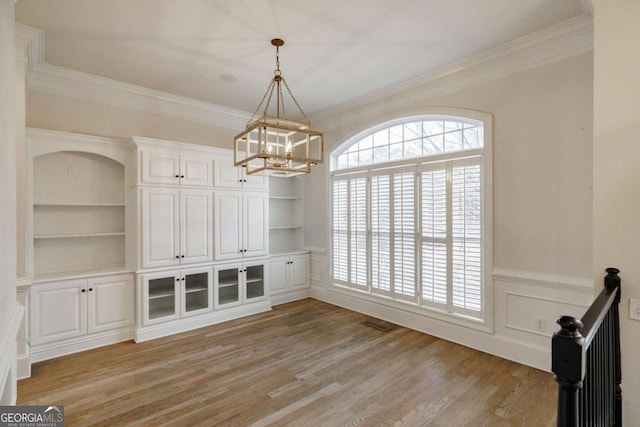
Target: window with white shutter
{"type": "Point", "coordinates": [409, 215]}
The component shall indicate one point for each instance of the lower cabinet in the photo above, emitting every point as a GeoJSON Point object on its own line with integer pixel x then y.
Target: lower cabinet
{"type": "Point", "coordinates": [289, 277]}
{"type": "Point", "coordinates": [76, 308]}
{"type": "Point", "coordinates": [175, 294]}
{"type": "Point", "coordinates": [240, 283]}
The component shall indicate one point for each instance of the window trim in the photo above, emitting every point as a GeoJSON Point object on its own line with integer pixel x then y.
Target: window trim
{"type": "Point", "coordinates": [486, 324]}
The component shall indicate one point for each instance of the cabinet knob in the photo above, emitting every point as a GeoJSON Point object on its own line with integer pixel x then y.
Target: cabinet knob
{"type": "Point", "coordinates": [177, 176]}
{"type": "Point", "coordinates": [90, 289]}
{"type": "Point", "coordinates": [177, 279]}
{"type": "Point", "coordinates": [181, 176]}
{"type": "Point", "coordinates": [84, 290]}
{"type": "Point", "coordinates": [181, 256]}
{"type": "Point", "coordinates": [177, 256]}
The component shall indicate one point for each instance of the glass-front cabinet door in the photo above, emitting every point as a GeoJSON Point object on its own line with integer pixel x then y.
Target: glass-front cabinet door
{"type": "Point", "coordinates": [160, 296]}
{"type": "Point", "coordinates": [254, 282]}
{"type": "Point", "coordinates": [197, 295]}
{"type": "Point", "coordinates": [227, 285]}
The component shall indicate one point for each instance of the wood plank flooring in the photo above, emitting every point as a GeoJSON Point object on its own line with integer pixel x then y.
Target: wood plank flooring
{"type": "Point", "coordinates": [305, 363]}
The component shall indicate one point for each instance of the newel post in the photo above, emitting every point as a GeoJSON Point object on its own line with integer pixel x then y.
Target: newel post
{"type": "Point", "coordinates": [568, 365]}
{"type": "Point", "coordinates": [611, 282]}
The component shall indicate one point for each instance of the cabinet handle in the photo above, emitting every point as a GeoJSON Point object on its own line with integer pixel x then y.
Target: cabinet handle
{"type": "Point", "coordinates": [177, 176]}
{"type": "Point", "coordinates": [177, 279]}
{"type": "Point", "coordinates": [90, 289]}
{"type": "Point", "coordinates": [181, 176]}
{"type": "Point", "coordinates": [244, 180]}
{"type": "Point", "coordinates": [182, 256]}
{"type": "Point", "coordinates": [177, 256]}
{"type": "Point", "coordinates": [182, 279]}
{"type": "Point", "coordinates": [84, 290]}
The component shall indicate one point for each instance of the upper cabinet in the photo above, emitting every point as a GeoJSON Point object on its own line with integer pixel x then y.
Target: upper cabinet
{"type": "Point", "coordinates": [172, 163]}
{"type": "Point", "coordinates": [167, 168]}
{"type": "Point", "coordinates": [226, 175]}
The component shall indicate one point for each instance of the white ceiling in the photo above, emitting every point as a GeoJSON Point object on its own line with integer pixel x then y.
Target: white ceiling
{"type": "Point", "coordinates": [335, 51]}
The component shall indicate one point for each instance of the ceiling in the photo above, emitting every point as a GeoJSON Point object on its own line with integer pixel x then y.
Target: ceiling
{"type": "Point", "coordinates": [335, 51]}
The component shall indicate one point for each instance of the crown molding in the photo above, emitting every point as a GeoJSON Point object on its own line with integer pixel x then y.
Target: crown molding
{"type": "Point", "coordinates": [30, 41]}
{"type": "Point", "coordinates": [557, 42]}
{"type": "Point", "coordinates": [63, 81]}
{"type": "Point", "coordinates": [563, 40]}
{"type": "Point", "coordinates": [587, 6]}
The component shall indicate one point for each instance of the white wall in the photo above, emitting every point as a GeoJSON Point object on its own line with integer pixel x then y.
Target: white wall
{"type": "Point", "coordinates": [10, 314]}
{"type": "Point", "coordinates": [542, 207]}
{"type": "Point", "coordinates": [616, 172]}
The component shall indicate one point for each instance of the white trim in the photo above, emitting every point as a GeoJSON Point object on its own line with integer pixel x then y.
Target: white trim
{"type": "Point", "coordinates": [290, 296]}
{"type": "Point", "coordinates": [76, 84]}
{"type": "Point", "coordinates": [498, 345]}
{"type": "Point", "coordinates": [557, 42]}
{"type": "Point", "coordinates": [564, 283]}
{"type": "Point", "coordinates": [8, 350]}
{"type": "Point", "coordinates": [563, 40]}
{"type": "Point", "coordinates": [87, 342]}
{"type": "Point", "coordinates": [587, 7]}
{"type": "Point", "coordinates": [182, 325]}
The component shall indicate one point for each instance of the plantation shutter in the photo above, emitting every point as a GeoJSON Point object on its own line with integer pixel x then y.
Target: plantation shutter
{"type": "Point", "coordinates": [404, 234]}
{"type": "Point", "coordinates": [381, 233]}
{"type": "Point", "coordinates": [340, 230]}
{"type": "Point", "coordinates": [466, 234]}
{"type": "Point", "coordinates": [434, 234]}
{"type": "Point", "coordinates": [358, 264]}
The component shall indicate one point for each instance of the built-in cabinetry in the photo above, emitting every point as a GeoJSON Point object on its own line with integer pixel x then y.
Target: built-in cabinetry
{"type": "Point", "coordinates": [289, 262]}
{"type": "Point", "coordinates": [240, 219]}
{"type": "Point", "coordinates": [82, 295]}
{"type": "Point", "coordinates": [226, 175]}
{"type": "Point", "coordinates": [176, 226]}
{"type": "Point", "coordinates": [239, 283]}
{"type": "Point", "coordinates": [193, 208]}
{"type": "Point", "coordinates": [79, 313]}
{"type": "Point", "coordinates": [169, 295]}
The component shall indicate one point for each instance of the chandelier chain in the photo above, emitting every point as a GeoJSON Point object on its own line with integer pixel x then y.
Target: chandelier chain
{"type": "Point", "coordinates": [295, 101]}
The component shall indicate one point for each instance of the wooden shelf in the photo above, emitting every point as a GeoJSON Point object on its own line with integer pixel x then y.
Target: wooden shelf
{"type": "Point", "coordinates": [192, 290]}
{"type": "Point", "coordinates": [162, 295]}
{"type": "Point", "coordinates": [227, 284]}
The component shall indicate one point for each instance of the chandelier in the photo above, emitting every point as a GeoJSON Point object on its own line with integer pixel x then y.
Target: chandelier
{"type": "Point", "coordinates": [274, 145]}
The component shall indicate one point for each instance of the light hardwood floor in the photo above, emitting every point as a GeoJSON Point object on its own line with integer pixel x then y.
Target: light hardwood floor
{"type": "Point", "coordinates": [305, 363]}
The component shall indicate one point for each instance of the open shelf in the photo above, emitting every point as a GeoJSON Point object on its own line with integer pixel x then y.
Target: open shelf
{"type": "Point", "coordinates": [73, 236]}
{"type": "Point", "coordinates": [72, 205]}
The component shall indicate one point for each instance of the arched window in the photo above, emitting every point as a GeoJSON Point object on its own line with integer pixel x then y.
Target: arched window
{"type": "Point", "coordinates": [409, 204]}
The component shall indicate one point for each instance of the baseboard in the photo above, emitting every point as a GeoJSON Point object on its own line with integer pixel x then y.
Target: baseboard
{"type": "Point", "coordinates": [63, 348]}
{"type": "Point", "coordinates": [24, 367]}
{"type": "Point", "coordinates": [290, 296]}
{"type": "Point", "coordinates": [502, 346]}
{"type": "Point", "coordinates": [173, 327]}
{"type": "Point", "coordinates": [8, 354]}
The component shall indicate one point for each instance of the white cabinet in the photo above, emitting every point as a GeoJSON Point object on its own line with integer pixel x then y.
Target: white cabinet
{"type": "Point", "coordinates": [229, 176]}
{"type": "Point", "coordinates": [241, 220]}
{"type": "Point", "coordinates": [176, 226]}
{"type": "Point", "coordinates": [240, 283]}
{"type": "Point", "coordinates": [176, 294]}
{"type": "Point", "coordinates": [165, 167]}
{"type": "Point", "coordinates": [73, 308]}
{"type": "Point", "coordinates": [289, 273]}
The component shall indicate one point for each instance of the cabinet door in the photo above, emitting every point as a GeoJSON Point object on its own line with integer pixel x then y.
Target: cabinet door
{"type": "Point", "coordinates": [226, 174]}
{"type": "Point", "coordinates": [160, 297]}
{"type": "Point", "coordinates": [227, 228]}
{"type": "Point", "coordinates": [227, 285]}
{"type": "Point", "coordinates": [256, 182]}
{"type": "Point", "coordinates": [196, 171]}
{"type": "Point", "coordinates": [299, 271]}
{"type": "Point", "coordinates": [255, 285]}
{"type": "Point", "coordinates": [278, 272]}
{"type": "Point", "coordinates": [159, 168]}
{"type": "Point", "coordinates": [197, 286]}
{"type": "Point", "coordinates": [160, 219]}
{"type": "Point", "coordinates": [58, 311]}
{"type": "Point", "coordinates": [196, 226]}
{"type": "Point", "coordinates": [111, 303]}
{"type": "Point", "coordinates": [255, 224]}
